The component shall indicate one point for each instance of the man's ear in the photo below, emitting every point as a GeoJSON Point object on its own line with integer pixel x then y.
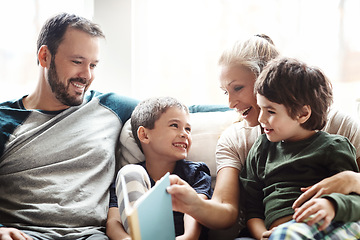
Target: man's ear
{"type": "Point", "coordinates": [304, 114]}
{"type": "Point", "coordinates": [143, 135]}
{"type": "Point", "coordinates": [44, 56]}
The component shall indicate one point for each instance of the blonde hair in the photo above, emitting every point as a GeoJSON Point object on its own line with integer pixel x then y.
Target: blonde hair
{"type": "Point", "coordinates": [252, 54]}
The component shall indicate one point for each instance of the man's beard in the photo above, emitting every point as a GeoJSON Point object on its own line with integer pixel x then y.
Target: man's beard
{"type": "Point", "coordinates": [60, 89]}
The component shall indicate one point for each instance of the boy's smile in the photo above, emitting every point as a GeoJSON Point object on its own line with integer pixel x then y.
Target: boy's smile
{"type": "Point", "coordinates": [277, 123]}
{"type": "Point", "coordinates": [170, 139]}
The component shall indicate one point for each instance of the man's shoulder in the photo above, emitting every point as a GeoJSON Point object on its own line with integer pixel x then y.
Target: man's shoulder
{"type": "Point", "coordinates": [10, 104]}
{"type": "Point", "coordinates": [122, 106]}
{"type": "Point", "coordinates": [110, 98]}
{"type": "Point", "coordinates": [12, 112]}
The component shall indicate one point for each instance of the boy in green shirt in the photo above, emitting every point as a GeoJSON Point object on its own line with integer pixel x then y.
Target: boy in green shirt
{"type": "Point", "coordinates": [294, 100]}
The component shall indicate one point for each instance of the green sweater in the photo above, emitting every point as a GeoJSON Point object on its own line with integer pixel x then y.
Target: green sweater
{"type": "Point", "coordinates": [275, 171]}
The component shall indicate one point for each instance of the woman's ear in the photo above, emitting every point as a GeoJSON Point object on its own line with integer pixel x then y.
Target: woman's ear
{"type": "Point", "coordinates": [305, 114]}
{"type": "Point", "coordinates": [44, 56]}
{"type": "Point", "coordinates": [143, 135]}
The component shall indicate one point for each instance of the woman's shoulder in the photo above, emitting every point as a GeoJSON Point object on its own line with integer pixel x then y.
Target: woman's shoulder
{"type": "Point", "coordinates": [241, 130]}
{"type": "Point", "coordinates": [339, 122]}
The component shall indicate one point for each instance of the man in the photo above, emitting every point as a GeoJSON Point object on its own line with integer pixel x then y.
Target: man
{"type": "Point", "coordinates": [58, 144]}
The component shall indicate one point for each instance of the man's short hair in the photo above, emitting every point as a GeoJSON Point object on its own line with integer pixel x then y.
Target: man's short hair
{"type": "Point", "coordinates": [53, 31]}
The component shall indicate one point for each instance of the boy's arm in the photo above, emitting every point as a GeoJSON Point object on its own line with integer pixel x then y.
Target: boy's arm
{"type": "Point", "coordinates": [114, 227]}
{"type": "Point", "coordinates": [192, 229]}
{"type": "Point", "coordinates": [256, 227]}
{"type": "Point", "coordinates": [347, 206]}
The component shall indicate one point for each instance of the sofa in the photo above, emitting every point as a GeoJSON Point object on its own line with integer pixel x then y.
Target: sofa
{"type": "Point", "coordinates": [206, 129]}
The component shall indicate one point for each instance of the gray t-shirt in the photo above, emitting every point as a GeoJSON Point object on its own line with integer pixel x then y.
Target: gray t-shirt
{"type": "Point", "coordinates": [56, 167]}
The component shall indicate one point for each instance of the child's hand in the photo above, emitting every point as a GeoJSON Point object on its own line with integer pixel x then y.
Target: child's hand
{"type": "Point", "coordinates": [183, 237]}
{"type": "Point", "coordinates": [315, 210]}
{"type": "Point", "coordinates": [267, 234]}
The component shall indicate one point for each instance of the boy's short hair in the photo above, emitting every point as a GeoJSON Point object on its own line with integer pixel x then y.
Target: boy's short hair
{"type": "Point", "coordinates": [147, 112]}
{"type": "Point", "coordinates": [294, 84]}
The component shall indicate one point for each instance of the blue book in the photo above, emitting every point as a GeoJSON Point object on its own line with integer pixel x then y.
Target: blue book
{"type": "Point", "coordinates": [151, 216]}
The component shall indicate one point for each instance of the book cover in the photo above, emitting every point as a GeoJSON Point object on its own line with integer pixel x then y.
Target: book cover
{"type": "Point", "coordinates": [151, 216]}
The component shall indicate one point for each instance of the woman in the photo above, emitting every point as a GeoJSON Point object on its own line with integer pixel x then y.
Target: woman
{"type": "Point", "coordinates": [240, 66]}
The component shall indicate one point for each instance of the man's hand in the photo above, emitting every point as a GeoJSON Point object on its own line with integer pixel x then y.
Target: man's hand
{"type": "Point", "coordinates": [13, 234]}
{"type": "Point", "coordinates": [342, 182]}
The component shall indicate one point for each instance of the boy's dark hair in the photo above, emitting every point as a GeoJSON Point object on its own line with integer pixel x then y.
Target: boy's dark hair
{"type": "Point", "coordinates": [53, 30]}
{"type": "Point", "coordinates": [147, 112]}
{"type": "Point", "coordinates": [292, 83]}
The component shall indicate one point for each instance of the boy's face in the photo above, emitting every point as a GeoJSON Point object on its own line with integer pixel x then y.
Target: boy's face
{"type": "Point", "coordinates": [277, 123]}
{"type": "Point", "coordinates": [171, 136]}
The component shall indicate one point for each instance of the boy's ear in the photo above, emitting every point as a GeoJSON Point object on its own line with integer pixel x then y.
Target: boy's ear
{"type": "Point", "coordinates": [44, 56]}
{"type": "Point", "coordinates": [143, 135]}
{"type": "Point", "coordinates": [305, 114]}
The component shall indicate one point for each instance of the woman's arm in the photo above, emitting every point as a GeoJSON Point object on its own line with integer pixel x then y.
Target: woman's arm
{"type": "Point", "coordinates": [344, 182]}
{"type": "Point", "coordinates": [114, 227]}
{"type": "Point", "coordinates": [223, 206]}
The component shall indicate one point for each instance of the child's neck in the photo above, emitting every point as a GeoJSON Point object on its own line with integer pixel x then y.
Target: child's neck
{"type": "Point", "coordinates": [157, 168]}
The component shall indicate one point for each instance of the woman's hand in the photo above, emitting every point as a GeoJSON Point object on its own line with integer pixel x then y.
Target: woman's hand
{"type": "Point", "coordinates": [223, 206]}
{"type": "Point", "coordinates": [314, 211]}
{"type": "Point", "coordinates": [13, 234]}
{"type": "Point", "coordinates": [344, 182]}
{"type": "Point", "coordinates": [183, 196]}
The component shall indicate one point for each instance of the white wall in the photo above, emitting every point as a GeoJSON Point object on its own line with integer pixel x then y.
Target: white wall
{"type": "Point", "coordinates": [114, 70]}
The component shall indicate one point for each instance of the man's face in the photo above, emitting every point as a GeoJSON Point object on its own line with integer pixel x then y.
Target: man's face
{"type": "Point", "coordinates": [71, 70]}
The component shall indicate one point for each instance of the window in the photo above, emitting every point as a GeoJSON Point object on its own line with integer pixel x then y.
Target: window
{"type": "Point", "coordinates": [164, 47]}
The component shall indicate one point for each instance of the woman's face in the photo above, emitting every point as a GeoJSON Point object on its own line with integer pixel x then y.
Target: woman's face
{"type": "Point", "coordinates": [238, 84]}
